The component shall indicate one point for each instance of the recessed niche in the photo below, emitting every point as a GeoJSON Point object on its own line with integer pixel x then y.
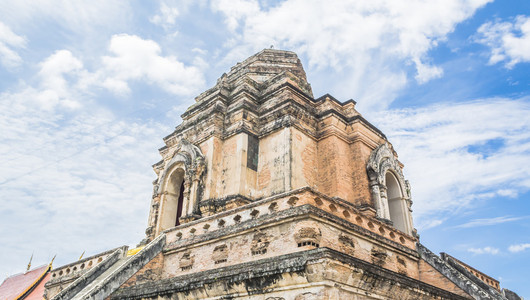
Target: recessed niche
{"type": "Point", "coordinates": [292, 201]}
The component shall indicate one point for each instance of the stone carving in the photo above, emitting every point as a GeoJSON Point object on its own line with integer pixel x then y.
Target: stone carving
{"type": "Point", "coordinates": [307, 233]}
{"type": "Point", "coordinates": [190, 158]}
{"type": "Point", "coordinates": [260, 243]}
{"type": "Point", "coordinates": [186, 261]}
{"type": "Point", "coordinates": [220, 254]}
{"type": "Point", "coordinates": [306, 296]}
{"type": "Point", "coordinates": [382, 161]}
{"type": "Point", "coordinates": [378, 256]}
{"type": "Point", "coordinates": [346, 244]}
{"type": "Point", "coordinates": [189, 155]}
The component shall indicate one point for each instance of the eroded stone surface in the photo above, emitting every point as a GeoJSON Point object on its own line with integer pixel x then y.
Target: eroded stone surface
{"type": "Point", "coordinates": [265, 192]}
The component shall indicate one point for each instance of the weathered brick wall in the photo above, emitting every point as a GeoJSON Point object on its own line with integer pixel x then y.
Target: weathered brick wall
{"type": "Point", "coordinates": [360, 153]}
{"type": "Point", "coordinates": [335, 169]}
{"type": "Point", "coordinates": [429, 275]}
{"type": "Point", "coordinates": [150, 272]}
{"type": "Point", "coordinates": [304, 164]}
{"type": "Point", "coordinates": [274, 164]}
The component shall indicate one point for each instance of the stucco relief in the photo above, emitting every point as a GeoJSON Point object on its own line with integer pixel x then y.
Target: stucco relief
{"type": "Point", "coordinates": [307, 233]}
{"type": "Point", "coordinates": [381, 160]}
{"type": "Point", "coordinates": [192, 159]}
{"type": "Point", "coordinates": [188, 162]}
{"type": "Point", "coordinates": [381, 166]}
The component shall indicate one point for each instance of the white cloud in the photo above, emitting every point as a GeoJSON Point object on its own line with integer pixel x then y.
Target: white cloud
{"type": "Point", "coordinates": [134, 58]}
{"type": "Point", "coordinates": [52, 74]}
{"type": "Point", "coordinates": [53, 88]}
{"type": "Point", "coordinates": [518, 248]}
{"type": "Point", "coordinates": [485, 250]}
{"type": "Point", "coordinates": [458, 154]}
{"type": "Point", "coordinates": [84, 168]}
{"type": "Point", "coordinates": [166, 17]}
{"type": "Point", "coordinates": [367, 43]}
{"type": "Point", "coordinates": [427, 72]}
{"type": "Point", "coordinates": [431, 223]}
{"type": "Point", "coordinates": [235, 10]}
{"type": "Point", "coordinates": [77, 16]}
{"type": "Point", "coordinates": [8, 40]}
{"type": "Point", "coordinates": [489, 222]}
{"type": "Point", "coordinates": [509, 41]}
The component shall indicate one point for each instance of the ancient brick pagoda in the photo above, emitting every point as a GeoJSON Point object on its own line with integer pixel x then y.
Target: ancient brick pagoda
{"type": "Point", "coordinates": [264, 192]}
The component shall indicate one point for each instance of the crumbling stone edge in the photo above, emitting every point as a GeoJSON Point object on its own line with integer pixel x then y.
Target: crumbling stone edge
{"type": "Point", "coordinates": [114, 280]}
{"type": "Point", "coordinates": [471, 276]}
{"type": "Point", "coordinates": [455, 276]}
{"type": "Point", "coordinates": [257, 275]}
{"type": "Point", "coordinates": [75, 287]}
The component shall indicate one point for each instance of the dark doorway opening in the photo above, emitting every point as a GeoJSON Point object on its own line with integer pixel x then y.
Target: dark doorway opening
{"type": "Point", "coordinates": [180, 204]}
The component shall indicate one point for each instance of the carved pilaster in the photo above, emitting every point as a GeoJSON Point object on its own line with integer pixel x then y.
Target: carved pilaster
{"type": "Point", "coordinates": [376, 196]}
{"type": "Point", "coordinates": [383, 160]}
{"type": "Point", "coordinates": [189, 159]}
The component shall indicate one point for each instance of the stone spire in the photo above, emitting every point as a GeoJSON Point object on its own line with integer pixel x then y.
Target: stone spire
{"type": "Point", "coordinates": [267, 64]}
{"type": "Point", "coordinates": [260, 71]}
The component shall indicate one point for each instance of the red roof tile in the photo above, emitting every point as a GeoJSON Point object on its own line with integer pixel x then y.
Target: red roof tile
{"type": "Point", "coordinates": [38, 291]}
{"type": "Point", "coordinates": [16, 285]}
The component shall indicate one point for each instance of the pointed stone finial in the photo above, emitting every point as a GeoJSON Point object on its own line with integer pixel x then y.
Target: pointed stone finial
{"type": "Point", "coordinates": [51, 262]}
{"type": "Point", "coordinates": [29, 264]}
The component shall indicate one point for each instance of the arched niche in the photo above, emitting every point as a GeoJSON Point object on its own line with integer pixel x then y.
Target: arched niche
{"type": "Point", "coordinates": [390, 190]}
{"type": "Point", "coordinates": [173, 199]}
{"type": "Point", "coordinates": [396, 202]}
{"type": "Point", "coordinates": [180, 186]}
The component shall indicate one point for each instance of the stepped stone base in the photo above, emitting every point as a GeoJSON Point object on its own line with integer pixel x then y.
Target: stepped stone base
{"type": "Point", "coordinates": [319, 273]}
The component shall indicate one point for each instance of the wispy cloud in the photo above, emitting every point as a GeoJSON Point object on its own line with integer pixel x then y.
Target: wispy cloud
{"type": "Point", "coordinates": [134, 58]}
{"type": "Point", "coordinates": [489, 221]}
{"type": "Point", "coordinates": [366, 44]}
{"type": "Point", "coordinates": [166, 17]}
{"type": "Point", "coordinates": [519, 247]}
{"type": "Point", "coordinates": [76, 16]}
{"type": "Point", "coordinates": [430, 223]}
{"type": "Point", "coordinates": [508, 41]}
{"type": "Point", "coordinates": [81, 169]}
{"type": "Point", "coordinates": [87, 168]}
{"type": "Point", "coordinates": [9, 40]}
{"type": "Point", "coordinates": [484, 250]}
{"type": "Point", "coordinates": [448, 155]}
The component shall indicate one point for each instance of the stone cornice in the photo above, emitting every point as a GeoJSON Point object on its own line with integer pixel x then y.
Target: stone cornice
{"type": "Point", "coordinates": [300, 107]}
{"type": "Point", "coordinates": [281, 217]}
{"type": "Point", "coordinates": [272, 268]}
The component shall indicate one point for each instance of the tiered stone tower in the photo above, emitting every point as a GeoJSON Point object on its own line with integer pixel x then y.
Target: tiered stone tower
{"type": "Point", "coordinates": [260, 133]}
{"type": "Point", "coordinates": [264, 192]}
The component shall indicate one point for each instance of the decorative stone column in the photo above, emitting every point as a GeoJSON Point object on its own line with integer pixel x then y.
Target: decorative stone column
{"type": "Point", "coordinates": [382, 160]}
{"type": "Point", "coordinates": [189, 158]}
{"type": "Point", "coordinates": [376, 196]}
{"type": "Point", "coordinates": [385, 210]}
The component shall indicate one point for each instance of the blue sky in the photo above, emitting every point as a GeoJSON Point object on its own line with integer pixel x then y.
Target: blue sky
{"type": "Point", "coordinates": [89, 88]}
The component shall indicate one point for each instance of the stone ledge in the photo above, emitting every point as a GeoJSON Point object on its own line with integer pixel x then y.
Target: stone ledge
{"type": "Point", "coordinates": [79, 284]}
{"type": "Point", "coordinates": [259, 274]}
{"type": "Point", "coordinates": [73, 275]}
{"type": "Point", "coordinates": [455, 275]}
{"type": "Point", "coordinates": [307, 105]}
{"type": "Point", "coordinates": [297, 211]}
{"type": "Point", "coordinates": [390, 237]}
{"type": "Point", "coordinates": [486, 287]}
